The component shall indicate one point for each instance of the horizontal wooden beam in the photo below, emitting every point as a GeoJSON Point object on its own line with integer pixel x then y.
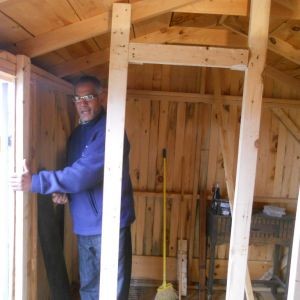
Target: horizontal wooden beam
{"type": "Point", "coordinates": [257, 199]}
{"type": "Point", "coordinates": [238, 8]}
{"type": "Point", "coordinates": [205, 98]}
{"type": "Point", "coordinates": [171, 35]}
{"type": "Point", "coordinates": [188, 55]}
{"type": "Point", "coordinates": [92, 27]}
{"type": "Point", "coordinates": [150, 268]}
{"type": "Point", "coordinates": [220, 7]}
{"type": "Point", "coordinates": [194, 36]}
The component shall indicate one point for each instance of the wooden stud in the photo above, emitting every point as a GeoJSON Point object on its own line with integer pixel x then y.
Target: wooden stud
{"type": "Point", "coordinates": [228, 161]}
{"type": "Point", "coordinates": [197, 164]}
{"type": "Point", "coordinates": [188, 55]}
{"type": "Point", "coordinates": [114, 143]}
{"type": "Point", "coordinates": [294, 279]}
{"type": "Point", "coordinates": [22, 142]}
{"type": "Point", "coordinates": [247, 156]}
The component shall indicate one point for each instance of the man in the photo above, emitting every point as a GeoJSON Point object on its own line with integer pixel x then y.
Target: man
{"type": "Point", "coordinates": [82, 181]}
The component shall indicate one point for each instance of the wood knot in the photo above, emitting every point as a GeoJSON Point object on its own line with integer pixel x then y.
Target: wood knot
{"type": "Point", "coordinates": [272, 40]}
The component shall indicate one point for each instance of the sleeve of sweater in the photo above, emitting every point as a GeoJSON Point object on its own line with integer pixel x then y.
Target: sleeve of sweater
{"type": "Point", "coordinates": [83, 174]}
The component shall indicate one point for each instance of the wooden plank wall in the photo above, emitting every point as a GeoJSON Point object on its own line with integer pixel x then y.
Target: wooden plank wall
{"type": "Point", "coordinates": [51, 124]}
{"type": "Point", "coordinates": [155, 124]}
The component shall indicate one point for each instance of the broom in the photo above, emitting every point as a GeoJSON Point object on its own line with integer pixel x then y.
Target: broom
{"type": "Point", "coordinates": [166, 290]}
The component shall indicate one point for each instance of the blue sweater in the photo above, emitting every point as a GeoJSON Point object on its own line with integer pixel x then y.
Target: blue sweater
{"type": "Point", "coordinates": [83, 178]}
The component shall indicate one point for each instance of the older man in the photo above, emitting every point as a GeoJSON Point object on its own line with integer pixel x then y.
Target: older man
{"type": "Point", "coordinates": [82, 181]}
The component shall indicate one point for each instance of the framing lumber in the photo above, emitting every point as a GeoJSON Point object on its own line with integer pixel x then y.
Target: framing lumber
{"type": "Point", "coordinates": [114, 143]}
{"type": "Point", "coordinates": [220, 7]}
{"type": "Point", "coordinates": [150, 268]}
{"type": "Point", "coordinates": [283, 78]}
{"type": "Point", "coordinates": [256, 199]}
{"type": "Point", "coordinates": [22, 142]}
{"type": "Point", "coordinates": [194, 36]}
{"type": "Point", "coordinates": [195, 191]}
{"type": "Point", "coordinates": [175, 34]}
{"type": "Point", "coordinates": [205, 98]}
{"type": "Point", "coordinates": [294, 278]}
{"type": "Point", "coordinates": [238, 8]}
{"type": "Point", "coordinates": [92, 27]}
{"type": "Point", "coordinates": [290, 125]}
{"type": "Point", "coordinates": [188, 55]}
{"type": "Point", "coordinates": [228, 161]}
{"type": "Point", "coordinates": [247, 155]}
{"type": "Point", "coordinates": [284, 49]}
{"type": "Point", "coordinates": [275, 44]}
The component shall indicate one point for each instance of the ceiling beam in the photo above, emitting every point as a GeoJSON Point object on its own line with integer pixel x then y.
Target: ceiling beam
{"type": "Point", "coordinates": [238, 8]}
{"type": "Point", "coordinates": [220, 7]}
{"type": "Point", "coordinates": [194, 36]}
{"type": "Point", "coordinates": [188, 55]}
{"type": "Point", "coordinates": [175, 34]}
{"type": "Point", "coordinates": [92, 27]}
{"type": "Point", "coordinates": [275, 44]}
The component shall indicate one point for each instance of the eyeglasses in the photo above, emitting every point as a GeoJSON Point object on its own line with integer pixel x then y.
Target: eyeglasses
{"type": "Point", "coordinates": [87, 98]}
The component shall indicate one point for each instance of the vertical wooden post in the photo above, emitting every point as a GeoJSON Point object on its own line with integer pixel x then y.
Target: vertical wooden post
{"type": "Point", "coordinates": [21, 199]}
{"type": "Point", "coordinates": [115, 124]}
{"type": "Point", "coordinates": [228, 161]}
{"type": "Point", "coordinates": [294, 279]}
{"type": "Point", "coordinates": [248, 144]}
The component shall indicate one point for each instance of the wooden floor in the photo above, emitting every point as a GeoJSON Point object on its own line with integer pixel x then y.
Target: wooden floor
{"type": "Point", "coordinates": [148, 292]}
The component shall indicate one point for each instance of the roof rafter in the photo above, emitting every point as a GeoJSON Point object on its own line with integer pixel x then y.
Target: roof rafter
{"type": "Point", "coordinates": [92, 27]}
{"type": "Point", "coordinates": [275, 44]}
{"type": "Point", "coordinates": [238, 8]}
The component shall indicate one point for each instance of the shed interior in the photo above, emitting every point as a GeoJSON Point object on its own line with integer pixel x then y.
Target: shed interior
{"type": "Point", "coordinates": [168, 106]}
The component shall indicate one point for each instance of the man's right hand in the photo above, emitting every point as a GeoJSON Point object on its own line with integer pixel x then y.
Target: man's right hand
{"type": "Point", "coordinates": [59, 198]}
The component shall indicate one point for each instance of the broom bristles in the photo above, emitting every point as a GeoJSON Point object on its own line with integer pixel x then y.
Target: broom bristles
{"type": "Point", "coordinates": [166, 292]}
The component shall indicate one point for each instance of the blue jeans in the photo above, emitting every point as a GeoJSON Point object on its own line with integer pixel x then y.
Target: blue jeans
{"type": "Point", "coordinates": [89, 251]}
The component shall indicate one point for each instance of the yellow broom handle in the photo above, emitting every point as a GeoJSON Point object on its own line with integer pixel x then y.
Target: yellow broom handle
{"type": "Point", "coordinates": [165, 220]}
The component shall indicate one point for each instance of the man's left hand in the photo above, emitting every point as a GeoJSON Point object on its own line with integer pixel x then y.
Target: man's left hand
{"type": "Point", "coordinates": [21, 182]}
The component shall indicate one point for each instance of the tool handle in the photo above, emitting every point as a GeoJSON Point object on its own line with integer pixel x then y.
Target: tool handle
{"type": "Point", "coordinates": [165, 218]}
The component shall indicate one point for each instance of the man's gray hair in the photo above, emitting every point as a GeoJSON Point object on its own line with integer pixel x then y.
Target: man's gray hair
{"type": "Point", "coordinates": [90, 79]}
